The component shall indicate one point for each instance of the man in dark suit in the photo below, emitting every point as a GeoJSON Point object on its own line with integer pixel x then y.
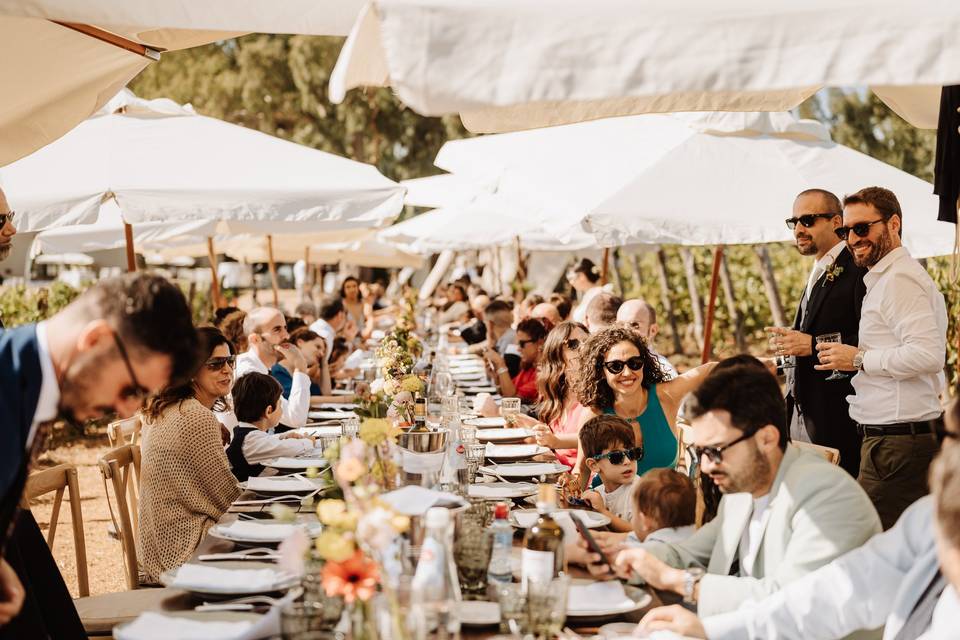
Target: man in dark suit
{"type": "Point", "coordinates": [121, 340]}
{"type": "Point", "coordinates": [817, 408]}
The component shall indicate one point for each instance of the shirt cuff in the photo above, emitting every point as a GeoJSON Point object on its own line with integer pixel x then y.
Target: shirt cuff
{"type": "Point", "coordinates": [301, 379]}
{"type": "Point", "coordinates": [872, 361]}
{"type": "Point", "coordinates": [726, 626]}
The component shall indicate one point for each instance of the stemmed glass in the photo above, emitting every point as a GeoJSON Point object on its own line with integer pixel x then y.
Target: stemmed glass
{"type": "Point", "coordinates": [784, 362]}
{"type": "Point", "coordinates": [832, 337]}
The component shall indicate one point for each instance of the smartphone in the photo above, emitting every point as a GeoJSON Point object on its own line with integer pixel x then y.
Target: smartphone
{"type": "Point", "coordinates": [591, 541]}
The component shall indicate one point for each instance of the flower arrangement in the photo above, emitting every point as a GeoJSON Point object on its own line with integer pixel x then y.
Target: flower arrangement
{"type": "Point", "coordinates": [831, 273]}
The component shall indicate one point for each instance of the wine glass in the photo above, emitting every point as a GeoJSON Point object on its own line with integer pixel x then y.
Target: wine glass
{"type": "Point", "coordinates": [832, 337]}
{"type": "Point", "coordinates": [784, 362]}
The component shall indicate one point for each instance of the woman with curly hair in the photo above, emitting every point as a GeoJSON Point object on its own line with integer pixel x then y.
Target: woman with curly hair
{"type": "Point", "coordinates": [619, 375]}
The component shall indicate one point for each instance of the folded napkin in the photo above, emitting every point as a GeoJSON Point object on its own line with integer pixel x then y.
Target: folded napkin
{"type": "Point", "coordinates": [200, 577]}
{"type": "Point", "coordinates": [156, 626]}
{"type": "Point", "coordinates": [257, 531]}
{"type": "Point", "coordinates": [511, 450]}
{"type": "Point", "coordinates": [498, 490]}
{"type": "Point", "coordinates": [415, 501]}
{"type": "Point", "coordinates": [585, 599]}
{"type": "Point", "coordinates": [329, 415]}
{"type": "Point", "coordinates": [279, 483]}
{"type": "Point", "coordinates": [299, 463]}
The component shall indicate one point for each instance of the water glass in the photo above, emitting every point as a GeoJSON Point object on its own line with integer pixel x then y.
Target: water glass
{"type": "Point", "coordinates": [474, 454]}
{"type": "Point", "coordinates": [449, 405]}
{"type": "Point", "coordinates": [509, 410]}
{"type": "Point", "coordinates": [328, 609]}
{"type": "Point", "coordinates": [538, 608]}
{"type": "Point", "coordinates": [832, 337]}
{"type": "Point", "coordinates": [351, 426]}
{"type": "Point", "coordinates": [304, 621]}
{"type": "Point", "coordinates": [468, 433]}
{"type": "Point", "coordinates": [471, 553]}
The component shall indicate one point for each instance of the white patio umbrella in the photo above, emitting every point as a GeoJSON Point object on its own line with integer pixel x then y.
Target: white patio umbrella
{"type": "Point", "coordinates": [61, 60]}
{"type": "Point", "coordinates": [505, 65]}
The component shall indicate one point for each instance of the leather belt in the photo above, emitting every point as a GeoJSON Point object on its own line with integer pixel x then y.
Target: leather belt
{"type": "Point", "coordinates": [896, 429]}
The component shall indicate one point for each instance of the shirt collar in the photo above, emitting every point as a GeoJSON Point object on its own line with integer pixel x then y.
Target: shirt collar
{"type": "Point", "coordinates": [48, 402]}
{"type": "Point", "coordinates": [897, 254]}
{"type": "Point", "coordinates": [254, 358]}
{"type": "Point", "coordinates": [831, 256]}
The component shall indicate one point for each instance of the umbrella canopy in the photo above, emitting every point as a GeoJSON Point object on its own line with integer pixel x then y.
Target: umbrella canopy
{"type": "Point", "coordinates": [56, 69]}
{"type": "Point", "coordinates": [692, 179]}
{"type": "Point", "coordinates": [505, 65]}
{"type": "Point", "coordinates": [369, 252]}
{"type": "Point", "coordinates": [161, 162]}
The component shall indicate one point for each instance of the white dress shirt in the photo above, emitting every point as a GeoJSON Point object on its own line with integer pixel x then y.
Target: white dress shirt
{"type": "Point", "coordinates": [260, 446]}
{"type": "Point", "coordinates": [820, 266]}
{"type": "Point", "coordinates": [323, 328]}
{"type": "Point", "coordinates": [874, 585]}
{"type": "Point", "coordinates": [903, 332]}
{"type": "Point", "coordinates": [48, 402]}
{"type": "Point", "coordinates": [753, 534]}
{"type": "Point", "coordinates": [295, 408]}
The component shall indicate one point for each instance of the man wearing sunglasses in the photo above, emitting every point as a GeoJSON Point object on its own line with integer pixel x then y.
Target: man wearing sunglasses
{"type": "Point", "coordinates": [783, 514]}
{"type": "Point", "coordinates": [898, 364]}
{"type": "Point", "coordinates": [642, 317]}
{"type": "Point", "coordinates": [817, 409]}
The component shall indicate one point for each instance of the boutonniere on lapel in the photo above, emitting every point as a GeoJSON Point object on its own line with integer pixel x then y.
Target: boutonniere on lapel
{"type": "Point", "coordinates": [832, 273]}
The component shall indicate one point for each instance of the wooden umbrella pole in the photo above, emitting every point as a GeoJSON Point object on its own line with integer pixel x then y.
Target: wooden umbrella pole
{"type": "Point", "coordinates": [131, 255]}
{"type": "Point", "coordinates": [521, 268]}
{"type": "Point", "coordinates": [711, 304]}
{"type": "Point", "coordinates": [306, 273]}
{"type": "Point", "coordinates": [273, 272]}
{"type": "Point", "coordinates": [605, 267]}
{"type": "Point", "coordinates": [215, 281]}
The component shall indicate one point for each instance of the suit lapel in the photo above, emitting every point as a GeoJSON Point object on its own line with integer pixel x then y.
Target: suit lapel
{"type": "Point", "coordinates": [789, 457]}
{"type": "Point", "coordinates": [736, 515]}
{"type": "Point", "coordinates": [819, 292]}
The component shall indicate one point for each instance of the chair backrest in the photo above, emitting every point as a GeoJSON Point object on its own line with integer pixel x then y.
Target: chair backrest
{"type": "Point", "coordinates": [126, 431]}
{"type": "Point", "coordinates": [121, 468]}
{"type": "Point", "coordinates": [832, 455]}
{"type": "Point", "coordinates": [60, 479]}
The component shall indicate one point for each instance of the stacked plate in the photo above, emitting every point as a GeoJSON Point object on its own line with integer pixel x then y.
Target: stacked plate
{"type": "Point", "coordinates": [502, 490]}
{"type": "Point", "coordinates": [503, 436]}
{"type": "Point", "coordinates": [513, 452]}
{"type": "Point", "coordinates": [297, 464]}
{"type": "Point", "coordinates": [486, 423]}
{"type": "Point", "coordinates": [210, 581]}
{"type": "Point", "coordinates": [260, 532]}
{"type": "Point", "coordinates": [599, 601]}
{"type": "Point", "coordinates": [526, 518]}
{"type": "Point", "coordinates": [271, 486]}
{"type": "Point", "coordinates": [525, 470]}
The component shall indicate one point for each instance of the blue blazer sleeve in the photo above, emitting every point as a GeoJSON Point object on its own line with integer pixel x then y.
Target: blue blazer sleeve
{"type": "Point", "coordinates": [20, 381]}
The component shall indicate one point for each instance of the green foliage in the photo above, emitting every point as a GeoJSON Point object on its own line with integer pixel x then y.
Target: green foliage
{"type": "Point", "coordinates": [19, 305]}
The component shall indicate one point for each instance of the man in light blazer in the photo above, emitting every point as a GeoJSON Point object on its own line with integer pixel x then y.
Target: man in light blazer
{"type": "Point", "coordinates": [784, 512]}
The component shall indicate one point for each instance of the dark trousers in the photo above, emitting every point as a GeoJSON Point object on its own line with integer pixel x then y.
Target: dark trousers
{"type": "Point", "coordinates": [48, 610]}
{"type": "Point", "coordinates": [893, 472]}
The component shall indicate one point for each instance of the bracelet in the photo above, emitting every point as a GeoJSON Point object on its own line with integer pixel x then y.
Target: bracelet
{"type": "Point", "coordinates": [502, 370]}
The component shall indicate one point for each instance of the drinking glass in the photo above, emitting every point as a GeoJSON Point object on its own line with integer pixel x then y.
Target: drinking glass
{"type": "Point", "coordinates": [473, 452]}
{"type": "Point", "coordinates": [539, 609]}
{"type": "Point", "coordinates": [783, 362]}
{"type": "Point", "coordinates": [351, 426]}
{"type": "Point", "coordinates": [468, 433]}
{"type": "Point", "coordinates": [304, 621]}
{"type": "Point", "coordinates": [832, 337]}
{"type": "Point", "coordinates": [328, 609]}
{"type": "Point", "coordinates": [450, 404]}
{"type": "Point", "coordinates": [509, 410]}
{"type": "Point", "coordinates": [471, 553]}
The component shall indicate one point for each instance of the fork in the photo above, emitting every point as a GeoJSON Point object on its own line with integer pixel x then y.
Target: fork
{"type": "Point", "coordinates": [287, 498]}
{"type": "Point", "coordinates": [240, 604]}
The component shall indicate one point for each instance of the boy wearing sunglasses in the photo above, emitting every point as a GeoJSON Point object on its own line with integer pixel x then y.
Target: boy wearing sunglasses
{"type": "Point", "coordinates": [611, 453]}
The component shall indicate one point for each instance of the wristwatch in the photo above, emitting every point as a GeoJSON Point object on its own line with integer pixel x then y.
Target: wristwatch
{"type": "Point", "coordinates": [858, 360]}
{"type": "Point", "coordinates": [691, 577]}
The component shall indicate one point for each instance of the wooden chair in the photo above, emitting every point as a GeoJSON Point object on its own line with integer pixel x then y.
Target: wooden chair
{"type": "Point", "coordinates": [832, 455]}
{"type": "Point", "coordinates": [121, 468]}
{"type": "Point", "coordinates": [125, 431]}
{"type": "Point", "coordinates": [62, 478]}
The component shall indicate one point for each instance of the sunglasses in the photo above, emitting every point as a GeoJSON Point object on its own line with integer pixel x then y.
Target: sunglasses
{"type": "Point", "coordinates": [6, 217]}
{"type": "Point", "coordinates": [714, 453]}
{"type": "Point", "coordinates": [217, 364]}
{"type": "Point", "coordinates": [573, 344]}
{"type": "Point", "coordinates": [860, 229]}
{"type": "Point", "coordinates": [616, 457]}
{"type": "Point", "coordinates": [134, 390]}
{"type": "Point", "coordinates": [807, 220]}
{"type": "Point", "coordinates": [524, 343]}
{"type": "Point", "coordinates": [616, 366]}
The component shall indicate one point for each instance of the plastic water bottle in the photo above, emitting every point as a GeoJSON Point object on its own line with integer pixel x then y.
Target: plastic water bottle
{"type": "Point", "coordinates": [435, 605]}
{"type": "Point", "coordinates": [500, 570]}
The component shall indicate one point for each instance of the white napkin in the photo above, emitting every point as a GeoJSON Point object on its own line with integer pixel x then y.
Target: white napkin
{"type": "Point", "coordinates": [499, 490]}
{"type": "Point", "coordinates": [200, 577]}
{"type": "Point", "coordinates": [257, 531]}
{"type": "Point", "coordinates": [415, 501]}
{"type": "Point", "coordinates": [299, 463]}
{"type": "Point", "coordinates": [511, 450]}
{"type": "Point", "coordinates": [584, 599]}
{"type": "Point", "coordinates": [279, 483]}
{"type": "Point", "coordinates": [414, 462]}
{"type": "Point", "coordinates": [526, 519]}
{"type": "Point", "coordinates": [328, 415]}
{"type": "Point", "coordinates": [156, 626]}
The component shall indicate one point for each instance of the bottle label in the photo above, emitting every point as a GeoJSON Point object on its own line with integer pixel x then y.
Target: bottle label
{"type": "Point", "coordinates": [537, 566]}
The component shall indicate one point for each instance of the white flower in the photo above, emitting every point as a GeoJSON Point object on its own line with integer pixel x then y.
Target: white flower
{"type": "Point", "coordinates": [376, 386]}
{"type": "Point", "coordinates": [376, 530]}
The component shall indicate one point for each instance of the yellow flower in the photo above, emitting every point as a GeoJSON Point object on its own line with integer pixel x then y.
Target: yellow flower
{"type": "Point", "coordinates": [412, 384]}
{"type": "Point", "coordinates": [391, 387]}
{"type": "Point", "coordinates": [334, 513]}
{"type": "Point", "coordinates": [334, 546]}
{"type": "Point", "coordinates": [376, 431]}
{"type": "Point", "coordinates": [400, 523]}
{"type": "Point", "coordinates": [350, 470]}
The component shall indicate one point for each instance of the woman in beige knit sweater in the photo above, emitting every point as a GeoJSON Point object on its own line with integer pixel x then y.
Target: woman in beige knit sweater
{"type": "Point", "coordinates": [185, 481]}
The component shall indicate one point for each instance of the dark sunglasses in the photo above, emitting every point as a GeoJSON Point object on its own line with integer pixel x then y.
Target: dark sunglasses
{"type": "Point", "coordinates": [524, 343]}
{"type": "Point", "coordinates": [860, 229]}
{"type": "Point", "coordinates": [217, 364]}
{"type": "Point", "coordinates": [616, 366]}
{"type": "Point", "coordinates": [573, 344]}
{"type": "Point", "coordinates": [134, 390]}
{"type": "Point", "coordinates": [807, 220]}
{"type": "Point", "coordinates": [6, 217]}
{"type": "Point", "coordinates": [714, 453]}
{"type": "Point", "coordinates": [616, 457]}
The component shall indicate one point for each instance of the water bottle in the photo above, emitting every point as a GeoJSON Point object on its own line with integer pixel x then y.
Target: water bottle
{"type": "Point", "coordinates": [455, 463]}
{"type": "Point", "coordinates": [500, 570]}
{"type": "Point", "coordinates": [435, 604]}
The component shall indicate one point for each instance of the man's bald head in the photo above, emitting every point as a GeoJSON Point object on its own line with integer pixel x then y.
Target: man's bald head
{"type": "Point", "coordinates": [546, 311]}
{"type": "Point", "coordinates": [7, 230]}
{"type": "Point", "coordinates": [640, 315]}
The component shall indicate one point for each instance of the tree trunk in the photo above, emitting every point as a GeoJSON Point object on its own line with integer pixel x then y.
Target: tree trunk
{"type": "Point", "coordinates": [666, 301]}
{"type": "Point", "coordinates": [616, 272]}
{"type": "Point", "coordinates": [637, 276]}
{"type": "Point", "coordinates": [690, 270]}
{"type": "Point", "coordinates": [732, 310]}
{"type": "Point", "coordinates": [770, 285]}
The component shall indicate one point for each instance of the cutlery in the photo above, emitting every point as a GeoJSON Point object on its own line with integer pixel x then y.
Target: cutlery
{"type": "Point", "coordinates": [259, 553]}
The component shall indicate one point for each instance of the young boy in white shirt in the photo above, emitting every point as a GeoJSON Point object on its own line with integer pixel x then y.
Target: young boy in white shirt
{"type": "Point", "coordinates": [256, 403]}
{"type": "Point", "coordinates": [611, 452]}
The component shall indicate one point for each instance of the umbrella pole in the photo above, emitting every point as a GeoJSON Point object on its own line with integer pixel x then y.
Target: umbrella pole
{"type": "Point", "coordinates": [215, 281]}
{"type": "Point", "coordinates": [605, 267]}
{"type": "Point", "coordinates": [711, 304]}
{"type": "Point", "coordinates": [521, 268]}
{"type": "Point", "coordinates": [131, 256]}
{"type": "Point", "coordinates": [273, 272]}
{"type": "Point", "coordinates": [305, 294]}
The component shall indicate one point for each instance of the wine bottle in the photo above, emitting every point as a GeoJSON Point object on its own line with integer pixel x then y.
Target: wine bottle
{"type": "Point", "coordinates": [542, 555]}
{"type": "Point", "coordinates": [420, 414]}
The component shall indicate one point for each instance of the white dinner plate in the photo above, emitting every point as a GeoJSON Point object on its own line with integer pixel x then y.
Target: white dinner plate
{"type": "Point", "coordinates": [502, 490]}
{"type": "Point", "coordinates": [235, 586]}
{"type": "Point", "coordinates": [321, 432]}
{"type": "Point", "coordinates": [593, 599]}
{"type": "Point", "coordinates": [524, 469]}
{"type": "Point", "coordinates": [295, 464]}
{"type": "Point", "coordinates": [282, 485]}
{"type": "Point", "coordinates": [504, 436]}
{"type": "Point", "coordinates": [487, 423]}
{"type": "Point", "coordinates": [526, 518]}
{"type": "Point", "coordinates": [329, 415]}
{"type": "Point", "coordinates": [129, 630]}
{"type": "Point", "coordinates": [261, 531]}
{"type": "Point", "coordinates": [513, 452]}
{"type": "Point", "coordinates": [334, 406]}
{"type": "Point", "coordinates": [479, 613]}
{"type": "Point", "coordinates": [342, 392]}
{"type": "Point", "coordinates": [472, 389]}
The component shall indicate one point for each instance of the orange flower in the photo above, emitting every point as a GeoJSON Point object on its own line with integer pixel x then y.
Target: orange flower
{"type": "Point", "coordinates": [355, 578]}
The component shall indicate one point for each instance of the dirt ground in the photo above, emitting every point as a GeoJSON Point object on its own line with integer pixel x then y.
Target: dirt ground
{"type": "Point", "coordinates": [104, 557]}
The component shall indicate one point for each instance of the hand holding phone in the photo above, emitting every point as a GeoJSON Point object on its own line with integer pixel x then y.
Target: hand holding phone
{"type": "Point", "coordinates": [590, 540]}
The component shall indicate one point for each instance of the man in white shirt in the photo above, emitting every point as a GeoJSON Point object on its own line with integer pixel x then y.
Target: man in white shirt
{"type": "Point", "coordinates": [266, 331]}
{"type": "Point", "coordinates": [892, 581]}
{"type": "Point", "coordinates": [900, 358]}
{"type": "Point", "coordinates": [332, 318]}
{"type": "Point", "coordinates": [784, 512]}
{"type": "Point", "coordinates": [642, 317]}
{"type": "Point", "coordinates": [602, 311]}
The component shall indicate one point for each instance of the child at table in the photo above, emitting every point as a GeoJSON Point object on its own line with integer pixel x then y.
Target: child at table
{"type": "Point", "coordinates": [664, 507]}
{"type": "Point", "coordinates": [256, 403]}
{"type": "Point", "coordinates": [611, 452]}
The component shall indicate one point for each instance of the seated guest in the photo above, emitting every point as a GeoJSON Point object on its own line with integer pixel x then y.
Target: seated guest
{"type": "Point", "coordinates": [307, 311]}
{"type": "Point", "coordinates": [229, 321]}
{"type": "Point", "coordinates": [456, 307]}
{"type": "Point", "coordinates": [547, 313]}
{"type": "Point", "coordinates": [313, 349]}
{"type": "Point", "coordinates": [602, 311]}
{"type": "Point", "coordinates": [185, 478]}
{"type": "Point", "coordinates": [612, 454]}
{"type": "Point", "coordinates": [526, 306]}
{"type": "Point", "coordinates": [945, 487]}
{"type": "Point", "coordinates": [501, 337]}
{"type": "Point", "coordinates": [338, 361]}
{"type": "Point", "coordinates": [784, 513]}
{"type": "Point", "coordinates": [664, 507]}
{"type": "Point", "coordinates": [294, 323]}
{"type": "Point", "coordinates": [563, 305]}
{"type": "Point", "coordinates": [894, 581]}
{"type": "Point", "coordinates": [642, 317]}
{"type": "Point", "coordinates": [530, 337]}
{"type": "Point", "coordinates": [333, 318]}
{"type": "Point", "coordinates": [561, 413]}
{"type": "Point", "coordinates": [256, 401]}
{"type": "Point", "coordinates": [475, 331]}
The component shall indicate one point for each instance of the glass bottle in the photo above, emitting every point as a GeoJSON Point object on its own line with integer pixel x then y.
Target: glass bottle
{"type": "Point", "coordinates": [542, 556]}
{"type": "Point", "coordinates": [500, 570]}
{"type": "Point", "coordinates": [435, 604]}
